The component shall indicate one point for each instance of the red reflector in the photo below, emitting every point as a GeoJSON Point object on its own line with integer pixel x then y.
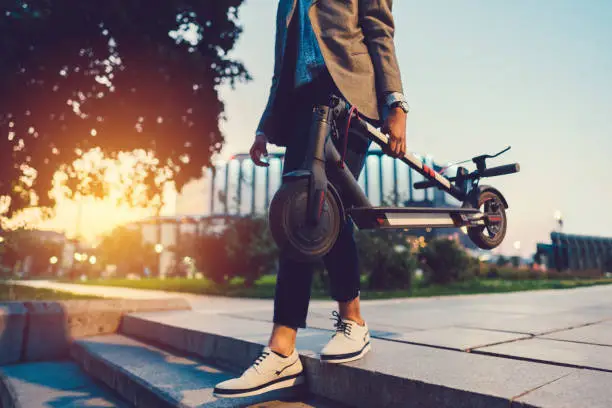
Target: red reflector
{"type": "Point", "coordinates": [381, 220]}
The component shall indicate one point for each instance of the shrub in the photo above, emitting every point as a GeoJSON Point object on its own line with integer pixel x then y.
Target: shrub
{"type": "Point", "coordinates": [445, 261]}
{"type": "Point", "coordinates": [385, 259]}
{"type": "Point", "coordinates": [212, 257]}
{"type": "Point", "coordinates": [250, 248]}
{"type": "Point", "coordinates": [243, 248]}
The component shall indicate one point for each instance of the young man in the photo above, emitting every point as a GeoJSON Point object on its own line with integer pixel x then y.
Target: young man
{"type": "Point", "coordinates": [323, 47]}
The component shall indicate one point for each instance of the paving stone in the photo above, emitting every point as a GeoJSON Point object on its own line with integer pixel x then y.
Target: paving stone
{"type": "Point", "coordinates": [457, 338]}
{"type": "Point", "coordinates": [555, 351]}
{"type": "Point", "coordinates": [535, 325]}
{"type": "Point", "coordinates": [394, 374]}
{"type": "Point", "coordinates": [55, 384]}
{"type": "Point", "coordinates": [12, 325]}
{"type": "Point", "coordinates": [150, 377]}
{"type": "Point", "coordinates": [324, 321]}
{"type": "Point", "coordinates": [582, 388]}
{"type": "Point", "coordinates": [594, 334]}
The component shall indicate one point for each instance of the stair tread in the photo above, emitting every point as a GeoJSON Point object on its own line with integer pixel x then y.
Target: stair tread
{"type": "Point", "coordinates": [179, 380]}
{"type": "Point", "coordinates": [55, 384]}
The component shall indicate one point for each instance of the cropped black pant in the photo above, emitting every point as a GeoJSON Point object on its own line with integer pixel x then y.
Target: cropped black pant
{"type": "Point", "coordinates": [294, 282]}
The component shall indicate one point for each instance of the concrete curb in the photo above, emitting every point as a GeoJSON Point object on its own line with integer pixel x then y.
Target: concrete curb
{"type": "Point", "coordinates": [347, 384]}
{"type": "Point", "coordinates": [39, 331]}
{"type": "Point", "coordinates": [8, 396]}
{"type": "Point", "coordinates": [13, 320]}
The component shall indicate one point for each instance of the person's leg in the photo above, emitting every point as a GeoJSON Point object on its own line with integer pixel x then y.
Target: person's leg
{"type": "Point", "coordinates": [352, 339]}
{"type": "Point", "coordinates": [342, 262]}
{"type": "Point", "coordinates": [279, 365]}
{"type": "Point", "coordinates": [294, 279]}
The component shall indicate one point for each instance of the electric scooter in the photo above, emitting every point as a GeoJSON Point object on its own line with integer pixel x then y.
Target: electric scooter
{"type": "Point", "coordinates": [309, 209]}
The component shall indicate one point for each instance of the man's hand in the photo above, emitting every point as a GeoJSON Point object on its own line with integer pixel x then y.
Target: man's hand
{"type": "Point", "coordinates": [259, 149]}
{"type": "Point", "coordinates": [395, 127]}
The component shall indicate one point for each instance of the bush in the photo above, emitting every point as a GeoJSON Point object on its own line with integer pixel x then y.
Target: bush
{"type": "Point", "coordinates": [250, 248]}
{"type": "Point", "coordinates": [244, 248]}
{"type": "Point", "coordinates": [445, 261]}
{"type": "Point", "coordinates": [213, 258]}
{"type": "Point", "coordinates": [385, 259]}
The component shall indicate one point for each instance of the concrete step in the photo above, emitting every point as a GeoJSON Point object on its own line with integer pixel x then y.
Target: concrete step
{"type": "Point", "coordinates": [394, 374]}
{"type": "Point", "coordinates": [52, 384]}
{"type": "Point", "coordinates": [151, 377]}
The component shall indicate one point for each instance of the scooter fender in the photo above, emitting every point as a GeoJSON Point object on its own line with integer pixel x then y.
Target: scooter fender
{"type": "Point", "coordinates": [474, 194]}
{"type": "Point", "coordinates": [307, 174]}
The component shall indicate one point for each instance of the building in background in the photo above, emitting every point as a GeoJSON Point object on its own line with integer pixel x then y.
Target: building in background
{"type": "Point", "coordinates": [576, 252]}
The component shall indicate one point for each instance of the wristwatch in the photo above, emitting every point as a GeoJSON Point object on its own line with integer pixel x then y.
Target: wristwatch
{"type": "Point", "coordinates": [396, 99]}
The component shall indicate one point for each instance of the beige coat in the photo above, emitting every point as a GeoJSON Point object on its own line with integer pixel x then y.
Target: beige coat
{"type": "Point", "coordinates": [356, 38]}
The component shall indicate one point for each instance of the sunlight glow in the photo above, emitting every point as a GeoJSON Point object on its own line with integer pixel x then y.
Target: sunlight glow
{"type": "Point", "coordinates": [87, 217]}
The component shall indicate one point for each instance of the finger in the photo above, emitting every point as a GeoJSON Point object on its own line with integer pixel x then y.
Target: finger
{"type": "Point", "coordinates": [392, 145]}
{"type": "Point", "coordinates": [256, 154]}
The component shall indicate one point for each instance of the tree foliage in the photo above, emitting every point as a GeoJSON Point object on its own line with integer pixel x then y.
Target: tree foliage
{"type": "Point", "coordinates": [40, 246]}
{"type": "Point", "coordinates": [115, 75]}
{"type": "Point", "coordinates": [126, 249]}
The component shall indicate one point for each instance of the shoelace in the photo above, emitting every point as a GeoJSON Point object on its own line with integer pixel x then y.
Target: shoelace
{"type": "Point", "coordinates": [340, 325]}
{"type": "Point", "coordinates": [261, 358]}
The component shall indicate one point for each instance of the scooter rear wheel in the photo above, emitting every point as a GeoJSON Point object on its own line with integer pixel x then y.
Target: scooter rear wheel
{"type": "Point", "coordinates": [290, 229]}
{"type": "Point", "coordinates": [493, 232]}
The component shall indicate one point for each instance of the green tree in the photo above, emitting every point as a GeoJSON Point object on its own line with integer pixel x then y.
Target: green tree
{"type": "Point", "coordinates": [125, 248]}
{"type": "Point", "coordinates": [515, 261]}
{"type": "Point", "coordinates": [502, 261]}
{"type": "Point", "coordinates": [118, 76]}
{"type": "Point", "coordinates": [39, 246]}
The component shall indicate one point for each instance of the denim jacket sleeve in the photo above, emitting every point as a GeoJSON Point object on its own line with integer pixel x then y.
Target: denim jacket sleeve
{"type": "Point", "coordinates": [266, 123]}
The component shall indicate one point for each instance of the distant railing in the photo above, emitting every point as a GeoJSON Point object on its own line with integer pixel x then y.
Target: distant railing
{"type": "Point", "coordinates": [238, 187]}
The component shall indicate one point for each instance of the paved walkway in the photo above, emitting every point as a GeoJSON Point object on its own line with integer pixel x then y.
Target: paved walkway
{"type": "Point", "coordinates": [560, 328]}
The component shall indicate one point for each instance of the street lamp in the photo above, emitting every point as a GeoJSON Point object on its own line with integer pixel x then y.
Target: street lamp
{"type": "Point", "coordinates": [159, 248]}
{"type": "Point", "coordinates": [559, 219]}
{"type": "Point", "coordinates": [53, 260]}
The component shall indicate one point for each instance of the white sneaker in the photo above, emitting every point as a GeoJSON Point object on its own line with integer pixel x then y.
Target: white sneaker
{"type": "Point", "coordinates": [269, 372]}
{"type": "Point", "coordinates": [350, 342]}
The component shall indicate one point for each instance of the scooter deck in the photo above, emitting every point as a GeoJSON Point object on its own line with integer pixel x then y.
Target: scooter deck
{"type": "Point", "coordinates": [411, 217]}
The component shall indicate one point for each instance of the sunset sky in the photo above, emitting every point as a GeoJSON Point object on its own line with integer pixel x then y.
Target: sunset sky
{"type": "Point", "coordinates": [479, 75]}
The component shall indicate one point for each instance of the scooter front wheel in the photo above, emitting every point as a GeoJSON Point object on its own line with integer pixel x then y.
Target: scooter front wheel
{"type": "Point", "coordinates": [290, 229]}
{"type": "Point", "coordinates": [491, 234]}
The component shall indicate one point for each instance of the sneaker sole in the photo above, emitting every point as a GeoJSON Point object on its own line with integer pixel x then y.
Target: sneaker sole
{"type": "Point", "coordinates": [334, 360]}
{"type": "Point", "coordinates": [277, 385]}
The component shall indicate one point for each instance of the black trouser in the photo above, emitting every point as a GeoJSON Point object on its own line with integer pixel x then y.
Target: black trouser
{"type": "Point", "coordinates": [293, 286]}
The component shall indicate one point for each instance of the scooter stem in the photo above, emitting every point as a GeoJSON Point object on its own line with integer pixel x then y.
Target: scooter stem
{"type": "Point", "coordinates": [319, 133]}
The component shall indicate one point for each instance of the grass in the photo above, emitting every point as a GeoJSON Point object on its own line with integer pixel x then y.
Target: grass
{"type": "Point", "coordinates": [24, 293]}
{"type": "Point", "coordinates": [264, 288]}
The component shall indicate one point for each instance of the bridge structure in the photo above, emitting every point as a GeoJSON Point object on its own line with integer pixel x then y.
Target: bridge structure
{"type": "Point", "coordinates": [238, 187]}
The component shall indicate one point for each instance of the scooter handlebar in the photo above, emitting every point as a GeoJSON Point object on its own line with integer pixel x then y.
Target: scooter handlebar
{"type": "Point", "coordinates": [501, 170]}
{"type": "Point", "coordinates": [492, 172]}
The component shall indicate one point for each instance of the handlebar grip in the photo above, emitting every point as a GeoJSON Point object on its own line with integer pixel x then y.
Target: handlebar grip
{"type": "Point", "coordinates": [423, 184]}
{"type": "Point", "coordinates": [419, 185]}
{"type": "Point", "coordinates": [501, 170]}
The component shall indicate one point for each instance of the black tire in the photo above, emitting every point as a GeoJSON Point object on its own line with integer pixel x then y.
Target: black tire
{"type": "Point", "coordinates": [492, 234]}
{"type": "Point", "coordinates": [287, 220]}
